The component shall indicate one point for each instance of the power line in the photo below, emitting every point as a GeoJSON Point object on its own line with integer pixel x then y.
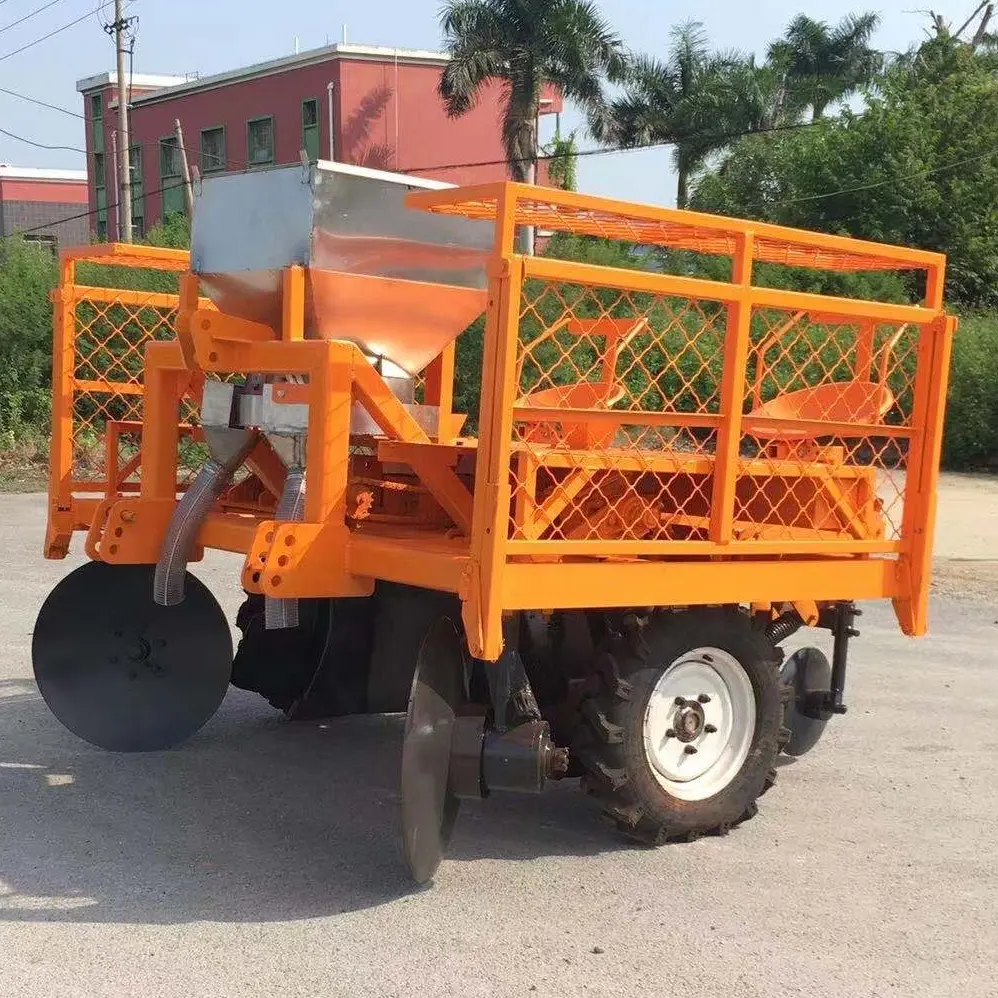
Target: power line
{"type": "Point", "coordinates": [56, 31]}
{"type": "Point", "coordinates": [40, 103]}
{"type": "Point", "coordinates": [39, 145]}
{"type": "Point", "coordinates": [28, 17]}
{"type": "Point", "coordinates": [876, 184]}
{"type": "Point", "coordinates": [91, 213]}
{"type": "Point", "coordinates": [618, 149]}
{"type": "Point", "coordinates": [608, 150]}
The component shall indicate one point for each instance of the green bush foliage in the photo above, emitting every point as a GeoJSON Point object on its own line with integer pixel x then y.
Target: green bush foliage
{"type": "Point", "coordinates": [971, 437]}
{"type": "Point", "coordinates": [28, 273]}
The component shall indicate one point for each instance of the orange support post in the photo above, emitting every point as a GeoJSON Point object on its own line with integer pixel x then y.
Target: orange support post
{"type": "Point", "coordinates": [482, 609]}
{"type": "Point", "coordinates": [925, 450]}
{"type": "Point", "coordinates": [736, 344]}
{"type": "Point", "coordinates": [439, 389]}
{"type": "Point", "coordinates": [60, 525]}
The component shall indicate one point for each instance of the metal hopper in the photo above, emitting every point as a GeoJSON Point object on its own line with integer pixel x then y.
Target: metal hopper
{"type": "Point", "coordinates": [401, 284]}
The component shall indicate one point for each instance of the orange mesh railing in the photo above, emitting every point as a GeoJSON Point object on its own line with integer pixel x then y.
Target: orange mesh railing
{"type": "Point", "coordinates": [646, 225]}
{"type": "Point", "coordinates": [655, 415]}
{"type": "Point", "coordinates": [112, 301]}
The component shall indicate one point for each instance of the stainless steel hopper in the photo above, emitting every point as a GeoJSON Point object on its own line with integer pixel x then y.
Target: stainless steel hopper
{"type": "Point", "coordinates": [401, 284]}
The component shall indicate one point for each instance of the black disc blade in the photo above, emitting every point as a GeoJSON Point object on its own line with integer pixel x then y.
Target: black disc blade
{"type": "Point", "coordinates": [428, 805]}
{"type": "Point", "coordinates": [123, 672]}
{"type": "Point", "coordinates": [807, 671]}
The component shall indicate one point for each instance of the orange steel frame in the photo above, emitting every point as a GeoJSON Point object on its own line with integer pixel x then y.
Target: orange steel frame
{"type": "Point", "coordinates": [330, 554]}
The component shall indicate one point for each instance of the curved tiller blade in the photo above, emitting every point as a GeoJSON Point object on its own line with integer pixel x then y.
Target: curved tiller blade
{"type": "Point", "coordinates": [429, 806]}
{"type": "Point", "coordinates": [807, 671]}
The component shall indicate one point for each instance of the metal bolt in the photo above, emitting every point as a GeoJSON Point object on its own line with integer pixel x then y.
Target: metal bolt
{"type": "Point", "coordinates": [709, 729]}
{"type": "Point", "coordinates": [703, 698]}
{"type": "Point", "coordinates": [680, 702]}
{"type": "Point", "coordinates": [671, 733]}
{"type": "Point", "coordinates": [690, 750]}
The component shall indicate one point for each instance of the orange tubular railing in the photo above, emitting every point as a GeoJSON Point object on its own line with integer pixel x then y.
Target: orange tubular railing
{"type": "Point", "coordinates": [742, 422]}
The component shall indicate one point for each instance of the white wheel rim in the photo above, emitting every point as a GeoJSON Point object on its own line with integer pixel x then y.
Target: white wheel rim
{"type": "Point", "coordinates": [703, 701]}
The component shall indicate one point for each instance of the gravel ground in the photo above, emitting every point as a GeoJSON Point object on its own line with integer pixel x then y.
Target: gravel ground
{"type": "Point", "coordinates": [260, 858]}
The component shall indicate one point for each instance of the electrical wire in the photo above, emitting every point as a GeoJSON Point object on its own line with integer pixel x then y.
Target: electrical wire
{"type": "Point", "coordinates": [89, 214]}
{"type": "Point", "coordinates": [56, 31]}
{"type": "Point", "coordinates": [41, 103]}
{"type": "Point", "coordinates": [28, 17]}
{"type": "Point", "coordinates": [39, 145]}
{"type": "Point", "coordinates": [609, 150]}
{"type": "Point", "coordinates": [584, 152]}
{"type": "Point", "coordinates": [876, 184]}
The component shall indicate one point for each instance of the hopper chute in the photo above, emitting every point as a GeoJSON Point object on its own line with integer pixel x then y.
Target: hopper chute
{"type": "Point", "coordinates": [401, 284]}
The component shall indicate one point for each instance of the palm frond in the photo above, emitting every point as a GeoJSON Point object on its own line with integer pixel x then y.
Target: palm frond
{"type": "Point", "coordinates": [462, 79]}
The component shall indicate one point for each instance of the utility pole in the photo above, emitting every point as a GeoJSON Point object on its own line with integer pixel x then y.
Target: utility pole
{"type": "Point", "coordinates": [185, 169]}
{"type": "Point", "coordinates": [119, 30]}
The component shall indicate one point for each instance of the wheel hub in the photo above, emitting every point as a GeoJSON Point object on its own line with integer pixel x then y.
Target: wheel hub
{"type": "Point", "coordinates": [699, 723]}
{"type": "Point", "coordinates": [689, 721]}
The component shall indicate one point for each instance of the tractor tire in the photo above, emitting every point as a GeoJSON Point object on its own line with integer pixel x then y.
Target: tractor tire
{"type": "Point", "coordinates": [681, 725]}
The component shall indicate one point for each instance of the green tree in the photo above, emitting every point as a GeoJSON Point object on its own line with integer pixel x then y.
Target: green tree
{"type": "Point", "coordinates": [695, 100]}
{"type": "Point", "coordinates": [918, 168]}
{"type": "Point", "coordinates": [822, 64]}
{"type": "Point", "coordinates": [525, 45]}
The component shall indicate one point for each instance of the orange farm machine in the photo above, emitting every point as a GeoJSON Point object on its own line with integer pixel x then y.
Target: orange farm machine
{"type": "Point", "coordinates": [659, 478]}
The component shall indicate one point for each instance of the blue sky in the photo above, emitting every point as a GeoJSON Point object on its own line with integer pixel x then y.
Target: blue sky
{"type": "Point", "coordinates": [206, 36]}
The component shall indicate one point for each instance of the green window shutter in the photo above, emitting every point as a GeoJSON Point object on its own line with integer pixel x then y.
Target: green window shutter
{"type": "Point", "coordinates": [212, 149]}
{"type": "Point", "coordinates": [169, 177]}
{"type": "Point", "coordinates": [97, 122]}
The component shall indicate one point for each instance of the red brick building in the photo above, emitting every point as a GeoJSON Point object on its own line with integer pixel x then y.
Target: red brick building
{"type": "Point", "coordinates": [36, 201]}
{"type": "Point", "coordinates": [372, 107]}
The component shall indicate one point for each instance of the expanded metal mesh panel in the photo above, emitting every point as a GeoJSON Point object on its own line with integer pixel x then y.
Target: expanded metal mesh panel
{"type": "Point", "coordinates": [620, 433]}
{"type": "Point", "coordinates": [646, 225]}
{"type": "Point", "coordinates": [108, 350]}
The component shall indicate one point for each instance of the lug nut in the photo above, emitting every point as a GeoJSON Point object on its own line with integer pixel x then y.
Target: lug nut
{"type": "Point", "coordinates": [709, 729]}
{"type": "Point", "coordinates": [671, 733]}
{"type": "Point", "coordinates": [690, 750]}
{"type": "Point", "coordinates": [680, 702]}
{"type": "Point", "coordinates": [703, 698]}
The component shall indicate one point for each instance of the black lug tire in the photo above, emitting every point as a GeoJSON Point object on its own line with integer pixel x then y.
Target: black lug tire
{"type": "Point", "coordinates": [609, 742]}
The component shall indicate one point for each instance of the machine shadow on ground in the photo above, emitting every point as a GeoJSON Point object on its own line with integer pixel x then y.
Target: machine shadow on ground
{"type": "Point", "coordinates": [255, 819]}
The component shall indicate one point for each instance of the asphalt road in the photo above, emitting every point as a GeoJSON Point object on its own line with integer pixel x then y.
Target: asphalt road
{"type": "Point", "coordinates": [260, 858]}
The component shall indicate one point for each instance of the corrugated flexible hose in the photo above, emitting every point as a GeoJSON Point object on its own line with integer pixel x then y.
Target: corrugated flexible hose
{"type": "Point", "coordinates": [280, 614]}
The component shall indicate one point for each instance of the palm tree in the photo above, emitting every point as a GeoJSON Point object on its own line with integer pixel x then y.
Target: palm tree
{"type": "Point", "coordinates": [526, 44]}
{"type": "Point", "coordinates": [823, 64]}
{"type": "Point", "coordinates": [695, 100]}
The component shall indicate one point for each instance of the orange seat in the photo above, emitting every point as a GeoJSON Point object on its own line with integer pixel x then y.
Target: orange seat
{"type": "Point", "coordinates": [578, 434]}
{"type": "Point", "coordinates": [865, 402]}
